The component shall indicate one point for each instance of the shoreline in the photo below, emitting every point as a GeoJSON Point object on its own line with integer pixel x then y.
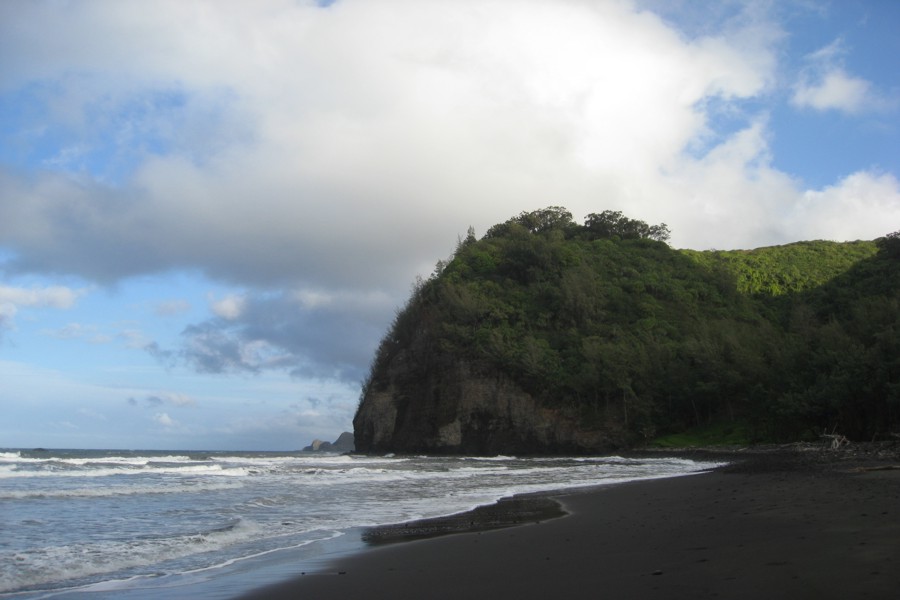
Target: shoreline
{"type": "Point", "coordinates": [775, 522]}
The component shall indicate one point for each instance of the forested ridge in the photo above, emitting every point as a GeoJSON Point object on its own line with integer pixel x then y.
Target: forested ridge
{"type": "Point", "coordinates": [642, 340]}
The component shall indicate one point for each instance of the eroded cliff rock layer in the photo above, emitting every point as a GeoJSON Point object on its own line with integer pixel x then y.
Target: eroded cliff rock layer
{"type": "Point", "coordinates": [457, 410]}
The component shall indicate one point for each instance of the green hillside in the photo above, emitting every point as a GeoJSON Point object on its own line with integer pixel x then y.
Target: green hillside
{"type": "Point", "coordinates": [645, 340]}
{"type": "Point", "coordinates": [787, 269]}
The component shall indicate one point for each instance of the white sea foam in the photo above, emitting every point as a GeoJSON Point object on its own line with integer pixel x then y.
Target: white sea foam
{"type": "Point", "coordinates": [128, 460]}
{"type": "Point", "coordinates": [167, 580]}
{"type": "Point", "coordinates": [117, 490]}
{"type": "Point", "coordinates": [101, 521]}
{"type": "Point", "coordinates": [497, 458]}
{"type": "Point", "coordinates": [107, 471]}
{"type": "Point", "coordinates": [59, 563]}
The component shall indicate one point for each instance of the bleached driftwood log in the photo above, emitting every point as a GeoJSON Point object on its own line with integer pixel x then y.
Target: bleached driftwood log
{"type": "Point", "coordinates": [837, 440]}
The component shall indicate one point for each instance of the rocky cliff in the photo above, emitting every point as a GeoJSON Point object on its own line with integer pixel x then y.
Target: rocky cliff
{"type": "Point", "coordinates": [457, 410]}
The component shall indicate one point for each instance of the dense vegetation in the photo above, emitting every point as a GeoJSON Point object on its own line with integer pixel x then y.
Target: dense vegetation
{"type": "Point", "coordinates": [646, 340]}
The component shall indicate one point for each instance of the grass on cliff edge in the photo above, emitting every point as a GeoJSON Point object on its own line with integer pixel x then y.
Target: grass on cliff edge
{"type": "Point", "coordinates": [718, 434]}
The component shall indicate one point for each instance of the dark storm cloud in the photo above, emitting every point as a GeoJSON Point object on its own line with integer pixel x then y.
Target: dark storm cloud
{"type": "Point", "coordinates": [306, 335]}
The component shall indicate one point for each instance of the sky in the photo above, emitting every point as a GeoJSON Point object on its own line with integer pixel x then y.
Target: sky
{"type": "Point", "coordinates": [211, 210]}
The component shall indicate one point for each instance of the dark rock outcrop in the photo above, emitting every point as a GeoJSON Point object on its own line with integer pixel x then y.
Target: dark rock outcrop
{"type": "Point", "coordinates": [455, 409]}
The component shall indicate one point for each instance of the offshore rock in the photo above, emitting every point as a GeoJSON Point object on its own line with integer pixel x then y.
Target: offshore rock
{"type": "Point", "coordinates": [343, 444]}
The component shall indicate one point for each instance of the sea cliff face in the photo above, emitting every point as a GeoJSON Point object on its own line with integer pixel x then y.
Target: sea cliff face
{"type": "Point", "coordinates": [456, 409]}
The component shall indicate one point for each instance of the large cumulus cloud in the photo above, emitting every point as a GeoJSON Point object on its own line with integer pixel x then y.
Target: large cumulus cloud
{"type": "Point", "coordinates": [282, 145]}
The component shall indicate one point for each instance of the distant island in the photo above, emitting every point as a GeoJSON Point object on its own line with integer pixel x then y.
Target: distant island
{"type": "Point", "coordinates": [342, 445]}
{"type": "Point", "coordinates": [546, 336]}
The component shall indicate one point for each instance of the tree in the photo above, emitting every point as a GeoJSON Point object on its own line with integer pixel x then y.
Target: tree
{"type": "Point", "coordinates": [612, 223]}
{"type": "Point", "coordinates": [546, 219]}
{"type": "Point", "coordinates": [660, 232]}
{"type": "Point", "coordinates": [536, 221]}
{"type": "Point", "coordinates": [890, 244]}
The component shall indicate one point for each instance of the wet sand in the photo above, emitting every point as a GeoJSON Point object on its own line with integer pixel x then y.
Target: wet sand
{"type": "Point", "coordinates": [777, 525]}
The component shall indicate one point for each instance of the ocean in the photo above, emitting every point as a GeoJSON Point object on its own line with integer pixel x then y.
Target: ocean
{"type": "Point", "coordinates": [203, 525]}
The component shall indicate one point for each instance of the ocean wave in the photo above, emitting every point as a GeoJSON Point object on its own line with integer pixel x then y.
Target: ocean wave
{"type": "Point", "coordinates": [66, 568]}
{"type": "Point", "coordinates": [118, 490]}
{"type": "Point", "coordinates": [52, 564]}
{"type": "Point", "coordinates": [168, 580]}
{"type": "Point", "coordinates": [63, 470]}
{"type": "Point", "coordinates": [499, 457]}
{"type": "Point", "coordinates": [137, 531]}
{"type": "Point", "coordinates": [93, 460]}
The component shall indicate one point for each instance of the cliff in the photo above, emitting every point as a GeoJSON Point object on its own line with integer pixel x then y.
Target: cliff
{"type": "Point", "coordinates": [458, 410]}
{"type": "Point", "coordinates": [546, 337]}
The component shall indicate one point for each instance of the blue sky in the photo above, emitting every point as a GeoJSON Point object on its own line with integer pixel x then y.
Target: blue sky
{"type": "Point", "coordinates": [210, 211]}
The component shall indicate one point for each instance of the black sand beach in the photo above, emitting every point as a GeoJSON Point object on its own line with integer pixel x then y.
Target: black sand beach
{"type": "Point", "coordinates": [784, 524]}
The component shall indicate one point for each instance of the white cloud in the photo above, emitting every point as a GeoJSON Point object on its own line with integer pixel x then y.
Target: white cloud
{"type": "Point", "coordinates": [353, 143]}
{"type": "Point", "coordinates": [853, 208]}
{"type": "Point", "coordinates": [164, 419]}
{"type": "Point", "coordinates": [729, 198]}
{"type": "Point", "coordinates": [13, 298]}
{"type": "Point", "coordinates": [834, 90]}
{"type": "Point", "coordinates": [824, 84]}
{"type": "Point", "coordinates": [229, 307]}
{"type": "Point", "coordinates": [43, 297]}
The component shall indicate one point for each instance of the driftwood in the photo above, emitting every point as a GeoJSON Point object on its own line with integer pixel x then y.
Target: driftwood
{"type": "Point", "coordinates": [837, 440]}
{"type": "Point", "coordinates": [879, 468]}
